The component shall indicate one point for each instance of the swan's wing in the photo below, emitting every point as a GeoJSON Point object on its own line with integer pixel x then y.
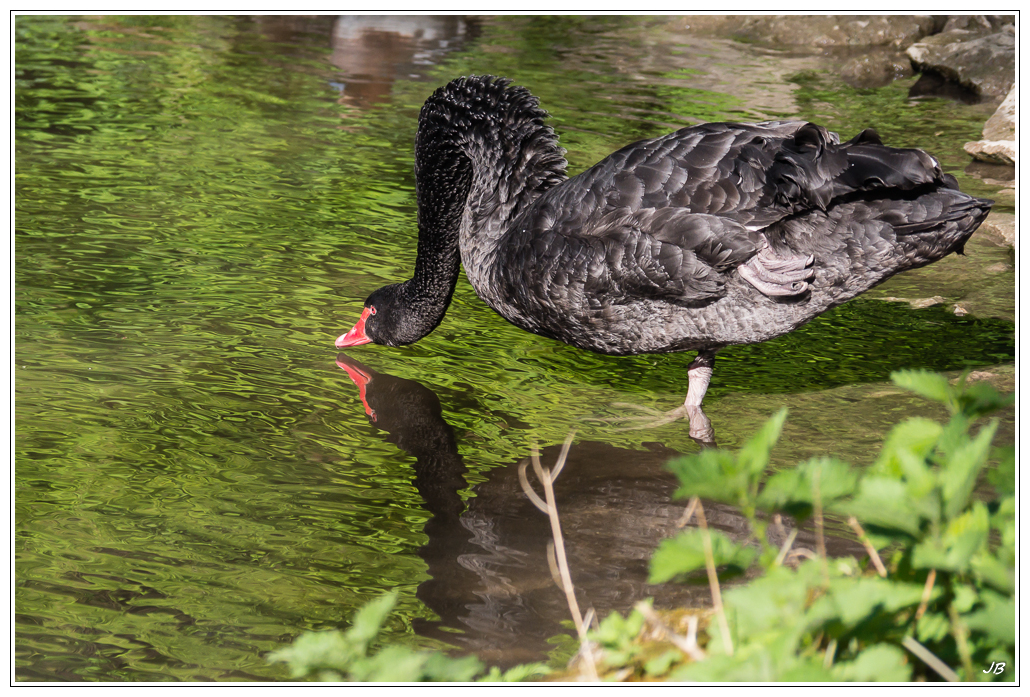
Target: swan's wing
{"type": "Point", "coordinates": [671, 254]}
{"type": "Point", "coordinates": [666, 254]}
{"type": "Point", "coordinates": [718, 169]}
{"type": "Point", "coordinates": [752, 174]}
{"type": "Point", "coordinates": [674, 217]}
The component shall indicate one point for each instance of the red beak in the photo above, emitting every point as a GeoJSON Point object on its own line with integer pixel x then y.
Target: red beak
{"type": "Point", "coordinates": [356, 336]}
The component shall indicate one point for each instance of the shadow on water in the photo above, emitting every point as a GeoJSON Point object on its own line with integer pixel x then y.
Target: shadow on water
{"type": "Point", "coordinates": [490, 584]}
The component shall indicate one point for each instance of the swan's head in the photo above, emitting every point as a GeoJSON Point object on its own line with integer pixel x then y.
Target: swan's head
{"type": "Point", "coordinates": [391, 318]}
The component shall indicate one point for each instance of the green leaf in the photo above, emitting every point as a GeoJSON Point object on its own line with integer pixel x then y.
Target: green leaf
{"type": "Point", "coordinates": [994, 572]}
{"type": "Point", "coordinates": [806, 670]}
{"type": "Point", "coordinates": [712, 474]}
{"type": "Point", "coordinates": [965, 597]}
{"type": "Point", "coordinates": [1003, 477]}
{"type": "Point", "coordinates": [954, 434]}
{"type": "Point", "coordinates": [793, 490]}
{"type": "Point", "coordinates": [884, 502]}
{"type": "Point", "coordinates": [370, 618]}
{"type": "Point", "coordinates": [753, 664]}
{"type": "Point", "coordinates": [932, 627]}
{"type": "Point", "coordinates": [774, 602]}
{"type": "Point", "coordinates": [685, 553]}
{"type": "Point", "coordinates": [659, 665]}
{"type": "Point", "coordinates": [312, 651]}
{"type": "Point", "coordinates": [518, 673]}
{"type": "Point", "coordinates": [981, 398]}
{"type": "Point", "coordinates": [930, 385]}
{"type": "Point", "coordinates": [392, 664]}
{"type": "Point", "coordinates": [754, 456]}
{"type": "Point", "coordinates": [997, 619]}
{"type": "Point", "coordinates": [618, 632]}
{"type": "Point", "coordinates": [958, 476]}
{"type": "Point", "coordinates": [916, 436]}
{"type": "Point", "coordinates": [953, 550]}
{"type": "Point", "coordinates": [854, 600]}
{"type": "Point", "coordinates": [440, 667]}
{"type": "Point", "coordinates": [959, 473]}
{"type": "Point", "coordinates": [878, 663]}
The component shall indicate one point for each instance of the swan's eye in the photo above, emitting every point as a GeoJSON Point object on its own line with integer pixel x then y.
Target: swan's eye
{"type": "Point", "coordinates": [372, 309]}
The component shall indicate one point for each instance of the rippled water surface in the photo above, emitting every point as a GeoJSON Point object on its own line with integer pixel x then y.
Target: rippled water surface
{"type": "Point", "coordinates": [202, 205]}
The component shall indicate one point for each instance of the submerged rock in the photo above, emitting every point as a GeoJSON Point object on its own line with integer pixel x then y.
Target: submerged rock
{"type": "Point", "coordinates": [876, 68]}
{"type": "Point", "coordinates": [999, 228]}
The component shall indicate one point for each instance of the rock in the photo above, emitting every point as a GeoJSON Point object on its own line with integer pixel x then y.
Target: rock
{"type": "Point", "coordinates": [1005, 197]}
{"type": "Point", "coordinates": [876, 69]}
{"type": "Point", "coordinates": [843, 30]}
{"type": "Point", "coordinates": [999, 142]}
{"type": "Point", "coordinates": [1002, 125]}
{"type": "Point", "coordinates": [1002, 152]}
{"type": "Point", "coordinates": [983, 65]}
{"type": "Point", "coordinates": [983, 23]}
{"type": "Point", "coordinates": [999, 228]}
{"type": "Point", "coordinates": [992, 174]}
{"type": "Point", "coordinates": [916, 303]}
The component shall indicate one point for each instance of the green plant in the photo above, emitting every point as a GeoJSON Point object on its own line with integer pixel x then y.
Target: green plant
{"type": "Point", "coordinates": [942, 606]}
{"type": "Point", "coordinates": [948, 598]}
{"type": "Point", "coordinates": [336, 656]}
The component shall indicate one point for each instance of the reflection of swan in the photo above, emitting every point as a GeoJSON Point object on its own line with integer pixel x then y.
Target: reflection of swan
{"type": "Point", "coordinates": [714, 235]}
{"type": "Point", "coordinates": [487, 562]}
{"type": "Point", "coordinates": [374, 51]}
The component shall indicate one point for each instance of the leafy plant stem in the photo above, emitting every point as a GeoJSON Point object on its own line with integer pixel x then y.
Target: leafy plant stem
{"type": "Point", "coordinates": [688, 514]}
{"type": "Point", "coordinates": [820, 539]}
{"type": "Point", "coordinates": [930, 578]}
{"type": "Point", "coordinates": [870, 550]}
{"type": "Point", "coordinates": [713, 579]}
{"type": "Point", "coordinates": [786, 547]}
{"type": "Point", "coordinates": [831, 650]}
{"type": "Point", "coordinates": [687, 644]}
{"type": "Point", "coordinates": [556, 553]}
{"type": "Point", "coordinates": [961, 633]}
{"type": "Point", "coordinates": [926, 656]}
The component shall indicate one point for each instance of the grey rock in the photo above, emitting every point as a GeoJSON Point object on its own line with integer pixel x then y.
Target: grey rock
{"type": "Point", "coordinates": [1002, 125]}
{"type": "Point", "coordinates": [980, 23]}
{"type": "Point", "coordinates": [999, 228]}
{"type": "Point", "coordinates": [992, 174]}
{"type": "Point", "coordinates": [998, 145]}
{"type": "Point", "coordinates": [983, 64]}
{"type": "Point", "coordinates": [841, 30]}
{"type": "Point", "coordinates": [876, 68]}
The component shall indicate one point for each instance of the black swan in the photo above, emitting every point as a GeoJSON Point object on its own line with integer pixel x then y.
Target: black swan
{"type": "Point", "coordinates": [719, 234]}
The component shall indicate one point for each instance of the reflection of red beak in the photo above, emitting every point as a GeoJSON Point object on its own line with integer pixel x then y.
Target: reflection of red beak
{"type": "Point", "coordinates": [359, 375]}
{"type": "Point", "coordinates": [356, 336]}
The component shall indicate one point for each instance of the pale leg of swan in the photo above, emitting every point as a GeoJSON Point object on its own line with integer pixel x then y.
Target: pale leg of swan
{"type": "Point", "coordinates": [699, 374]}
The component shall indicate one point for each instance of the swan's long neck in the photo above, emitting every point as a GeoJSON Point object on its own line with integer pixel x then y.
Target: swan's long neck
{"type": "Point", "coordinates": [482, 155]}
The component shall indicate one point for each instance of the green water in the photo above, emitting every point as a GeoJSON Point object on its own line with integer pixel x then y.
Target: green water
{"type": "Point", "coordinates": [202, 205]}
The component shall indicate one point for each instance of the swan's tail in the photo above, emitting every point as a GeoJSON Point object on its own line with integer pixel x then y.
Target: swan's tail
{"type": "Point", "coordinates": [936, 223]}
{"type": "Point", "coordinates": [812, 169]}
